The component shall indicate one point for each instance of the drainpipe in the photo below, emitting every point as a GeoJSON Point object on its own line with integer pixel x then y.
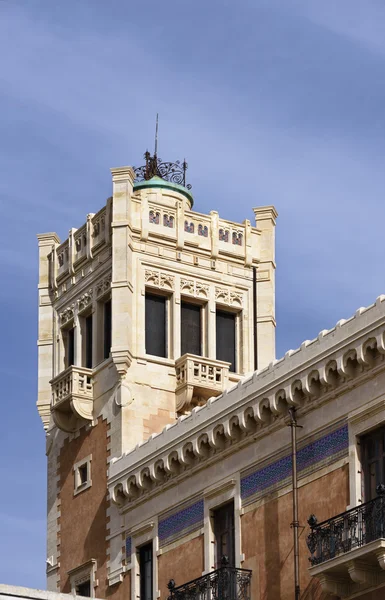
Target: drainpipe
{"type": "Point", "coordinates": [295, 523]}
{"type": "Point", "coordinates": [255, 318]}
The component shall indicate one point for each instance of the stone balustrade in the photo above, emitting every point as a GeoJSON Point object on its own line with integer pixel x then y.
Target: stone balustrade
{"type": "Point", "coordinates": [72, 397]}
{"type": "Point", "coordinates": [197, 379]}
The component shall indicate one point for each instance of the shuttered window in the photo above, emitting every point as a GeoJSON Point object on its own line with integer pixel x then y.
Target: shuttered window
{"type": "Point", "coordinates": [155, 309]}
{"type": "Point", "coordinates": [226, 341]}
{"type": "Point", "coordinates": [191, 329]}
{"type": "Point", "coordinates": [107, 324]}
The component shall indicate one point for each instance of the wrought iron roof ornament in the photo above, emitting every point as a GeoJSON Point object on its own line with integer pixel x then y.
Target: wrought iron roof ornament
{"type": "Point", "coordinates": [174, 172]}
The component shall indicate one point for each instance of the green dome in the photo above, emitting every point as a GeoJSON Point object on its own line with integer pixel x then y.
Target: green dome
{"type": "Point", "coordinates": [158, 182]}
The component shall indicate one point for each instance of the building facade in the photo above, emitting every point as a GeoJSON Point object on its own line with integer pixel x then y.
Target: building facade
{"type": "Point", "coordinates": [169, 454]}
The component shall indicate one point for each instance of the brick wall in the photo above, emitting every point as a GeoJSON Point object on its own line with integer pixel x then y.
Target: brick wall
{"type": "Point", "coordinates": [82, 519]}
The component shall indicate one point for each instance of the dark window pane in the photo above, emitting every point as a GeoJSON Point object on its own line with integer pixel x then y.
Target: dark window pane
{"type": "Point", "coordinates": [84, 589]}
{"type": "Point", "coordinates": [372, 452]}
{"type": "Point", "coordinates": [224, 533]}
{"type": "Point", "coordinates": [225, 325]}
{"type": "Point", "coordinates": [70, 347]}
{"type": "Point", "coordinates": [83, 473]}
{"type": "Point", "coordinates": [190, 329]}
{"type": "Point", "coordinates": [155, 325]}
{"type": "Point", "coordinates": [89, 342]}
{"type": "Point", "coordinates": [145, 568]}
{"type": "Point", "coordinates": [107, 329]}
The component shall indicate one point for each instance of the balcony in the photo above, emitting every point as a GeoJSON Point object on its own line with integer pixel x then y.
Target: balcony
{"type": "Point", "coordinates": [226, 583]}
{"type": "Point", "coordinates": [198, 379]}
{"type": "Point", "coordinates": [72, 398]}
{"type": "Point", "coordinates": [348, 551]}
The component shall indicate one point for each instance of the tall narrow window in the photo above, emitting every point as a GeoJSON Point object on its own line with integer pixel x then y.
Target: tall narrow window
{"type": "Point", "coordinates": [226, 339]}
{"type": "Point", "coordinates": [191, 329]}
{"type": "Point", "coordinates": [155, 309]}
{"type": "Point", "coordinates": [88, 342]}
{"type": "Point", "coordinates": [373, 461]}
{"type": "Point", "coordinates": [145, 569]}
{"type": "Point", "coordinates": [70, 350]}
{"type": "Point", "coordinates": [224, 534]}
{"type": "Point", "coordinates": [107, 326]}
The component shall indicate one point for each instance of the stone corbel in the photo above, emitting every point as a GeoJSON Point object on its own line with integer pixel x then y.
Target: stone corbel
{"type": "Point", "coordinates": [380, 555]}
{"type": "Point", "coordinates": [362, 573]}
{"type": "Point", "coordinates": [184, 398]}
{"type": "Point", "coordinates": [334, 585]}
{"type": "Point", "coordinates": [122, 360]}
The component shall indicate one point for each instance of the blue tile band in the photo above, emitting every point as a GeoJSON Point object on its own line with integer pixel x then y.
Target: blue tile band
{"type": "Point", "coordinates": [181, 523]}
{"type": "Point", "coordinates": [128, 549]}
{"type": "Point", "coordinates": [313, 456]}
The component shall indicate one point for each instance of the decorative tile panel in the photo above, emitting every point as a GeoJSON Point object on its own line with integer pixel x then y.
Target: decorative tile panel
{"type": "Point", "coordinates": [128, 549]}
{"type": "Point", "coordinates": [315, 455]}
{"type": "Point", "coordinates": [178, 524]}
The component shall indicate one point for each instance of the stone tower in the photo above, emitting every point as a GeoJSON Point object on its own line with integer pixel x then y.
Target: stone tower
{"type": "Point", "coordinates": [145, 311]}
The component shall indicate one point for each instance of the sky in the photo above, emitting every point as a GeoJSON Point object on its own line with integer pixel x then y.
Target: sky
{"type": "Point", "coordinates": [271, 102]}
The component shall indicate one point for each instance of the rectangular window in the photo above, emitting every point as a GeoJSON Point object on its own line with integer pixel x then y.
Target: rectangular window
{"type": "Point", "coordinates": [191, 329]}
{"type": "Point", "coordinates": [88, 342]}
{"type": "Point", "coordinates": [82, 473]}
{"type": "Point", "coordinates": [224, 534]}
{"type": "Point", "coordinates": [226, 338]}
{"type": "Point", "coordinates": [373, 461]}
{"type": "Point", "coordinates": [145, 569]}
{"type": "Point", "coordinates": [156, 325]}
{"type": "Point", "coordinates": [70, 347]}
{"type": "Point", "coordinates": [107, 327]}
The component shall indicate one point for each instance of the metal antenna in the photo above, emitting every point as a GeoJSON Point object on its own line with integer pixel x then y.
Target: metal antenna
{"type": "Point", "coordinates": [156, 136]}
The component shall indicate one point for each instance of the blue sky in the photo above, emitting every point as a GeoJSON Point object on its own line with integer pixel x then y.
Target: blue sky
{"type": "Point", "coordinates": [271, 101]}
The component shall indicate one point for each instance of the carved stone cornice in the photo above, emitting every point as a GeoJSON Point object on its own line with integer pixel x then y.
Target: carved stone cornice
{"type": "Point", "coordinates": [345, 356]}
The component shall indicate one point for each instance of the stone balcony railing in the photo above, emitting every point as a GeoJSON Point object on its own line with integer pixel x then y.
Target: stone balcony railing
{"type": "Point", "coordinates": [348, 550]}
{"type": "Point", "coordinates": [72, 397]}
{"type": "Point", "coordinates": [198, 379]}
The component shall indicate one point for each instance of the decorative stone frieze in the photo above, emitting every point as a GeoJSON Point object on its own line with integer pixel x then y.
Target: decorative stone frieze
{"type": "Point", "coordinates": [194, 288]}
{"type": "Point", "coordinates": [228, 296]}
{"type": "Point", "coordinates": [320, 369]}
{"type": "Point", "coordinates": [103, 286]}
{"type": "Point", "coordinates": [85, 300]}
{"type": "Point", "coordinates": [67, 314]}
{"type": "Point", "coordinates": [159, 279]}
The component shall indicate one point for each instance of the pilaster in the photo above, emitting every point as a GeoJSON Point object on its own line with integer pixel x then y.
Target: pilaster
{"type": "Point", "coordinates": [47, 246]}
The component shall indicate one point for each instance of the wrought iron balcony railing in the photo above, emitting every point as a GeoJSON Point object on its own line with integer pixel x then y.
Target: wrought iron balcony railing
{"type": "Point", "coordinates": [347, 531]}
{"type": "Point", "coordinates": [226, 583]}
